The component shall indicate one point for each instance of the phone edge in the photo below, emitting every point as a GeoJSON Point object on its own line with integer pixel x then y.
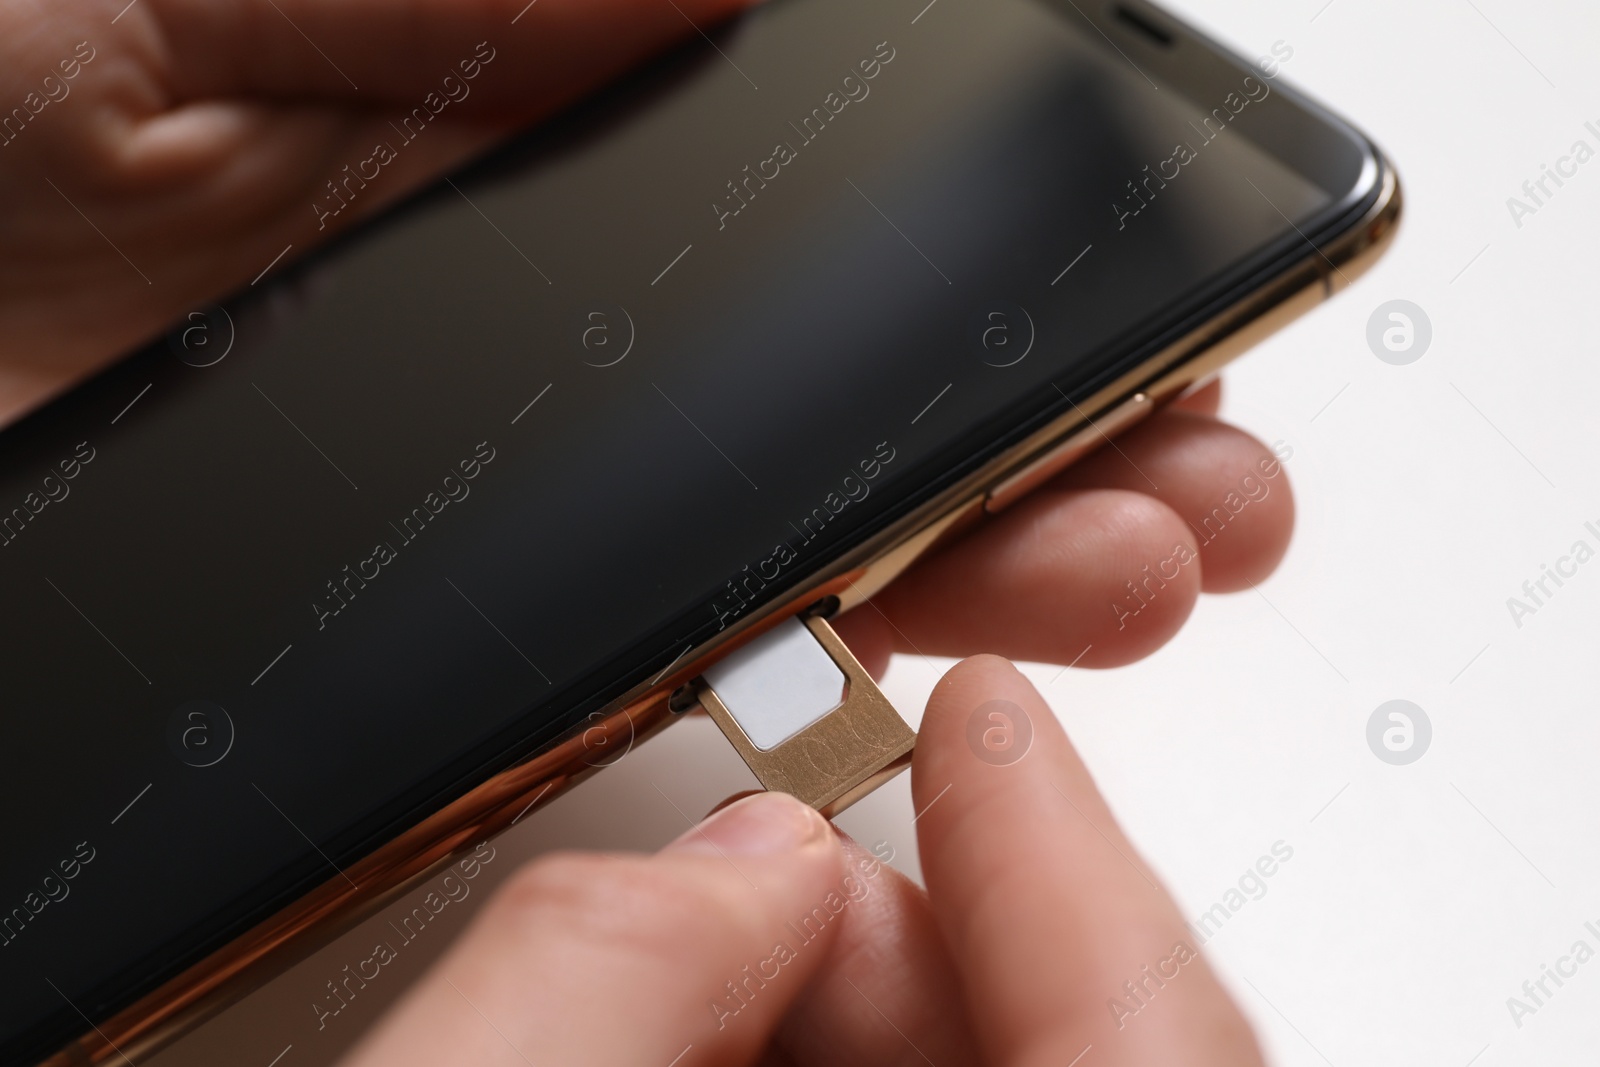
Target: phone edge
{"type": "Point", "coordinates": [319, 917]}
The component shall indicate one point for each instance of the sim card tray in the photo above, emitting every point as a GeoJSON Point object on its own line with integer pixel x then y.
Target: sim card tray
{"type": "Point", "coordinates": [806, 716]}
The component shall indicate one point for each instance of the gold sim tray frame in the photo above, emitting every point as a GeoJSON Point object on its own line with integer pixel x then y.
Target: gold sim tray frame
{"type": "Point", "coordinates": [842, 754]}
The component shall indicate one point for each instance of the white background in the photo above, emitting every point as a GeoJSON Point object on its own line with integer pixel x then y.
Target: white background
{"type": "Point", "coordinates": [1424, 895]}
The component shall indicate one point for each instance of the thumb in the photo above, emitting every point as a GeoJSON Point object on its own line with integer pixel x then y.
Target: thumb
{"type": "Point", "coordinates": [689, 957]}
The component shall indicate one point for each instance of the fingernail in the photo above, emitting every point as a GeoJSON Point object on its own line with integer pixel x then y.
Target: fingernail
{"type": "Point", "coordinates": [765, 824]}
{"type": "Point", "coordinates": [730, 801]}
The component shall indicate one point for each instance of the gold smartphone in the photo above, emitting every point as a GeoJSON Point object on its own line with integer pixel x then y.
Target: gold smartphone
{"type": "Point", "coordinates": [343, 575]}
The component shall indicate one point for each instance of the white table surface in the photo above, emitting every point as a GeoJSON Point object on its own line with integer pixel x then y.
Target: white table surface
{"type": "Point", "coordinates": [1422, 897]}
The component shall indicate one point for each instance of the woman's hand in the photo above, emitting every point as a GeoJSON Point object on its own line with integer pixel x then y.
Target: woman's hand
{"type": "Point", "coordinates": [762, 937]}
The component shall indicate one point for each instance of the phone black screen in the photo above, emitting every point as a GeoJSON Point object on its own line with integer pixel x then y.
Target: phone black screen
{"type": "Point", "coordinates": [329, 555]}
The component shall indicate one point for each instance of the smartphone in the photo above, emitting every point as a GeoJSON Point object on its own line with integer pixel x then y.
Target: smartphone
{"type": "Point", "coordinates": [335, 580]}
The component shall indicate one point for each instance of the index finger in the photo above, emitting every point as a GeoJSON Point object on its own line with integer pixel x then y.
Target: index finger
{"type": "Point", "coordinates": [1063, 937]}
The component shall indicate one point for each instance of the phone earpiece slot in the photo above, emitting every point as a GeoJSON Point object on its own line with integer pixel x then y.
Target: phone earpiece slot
{"type": "Point", "coordinates": [1141, 22]}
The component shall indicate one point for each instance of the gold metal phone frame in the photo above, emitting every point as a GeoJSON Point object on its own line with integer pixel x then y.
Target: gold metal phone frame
{"type": "Point", "coordinates": [319, 917]}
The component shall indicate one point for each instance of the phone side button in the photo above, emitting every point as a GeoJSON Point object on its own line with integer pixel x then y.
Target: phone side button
{"type": "Point", "coordinates": [1078, 445]}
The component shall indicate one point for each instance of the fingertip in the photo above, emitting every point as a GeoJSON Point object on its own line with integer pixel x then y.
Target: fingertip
{"type": "Point", "coordinates": [1230, 490]}
{"type": "Point", "coordinates": [1150, 584]}
{"type": "Point", "coordinates": [729, 801]}
{"type": "Point", "coordinates": [973, 675]}
{"type": "Point", "coordinates": [959, 722]}
{"type": "Point", "coordinates": [1246, 560]}
{"type": "Point", "coordinates": [761, 824]}
{"type": "Point", "coordinates": [1022, 856]}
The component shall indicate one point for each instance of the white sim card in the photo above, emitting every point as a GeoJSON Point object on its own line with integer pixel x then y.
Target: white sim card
{"type": "Point", "coordinates": [779, 684]}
